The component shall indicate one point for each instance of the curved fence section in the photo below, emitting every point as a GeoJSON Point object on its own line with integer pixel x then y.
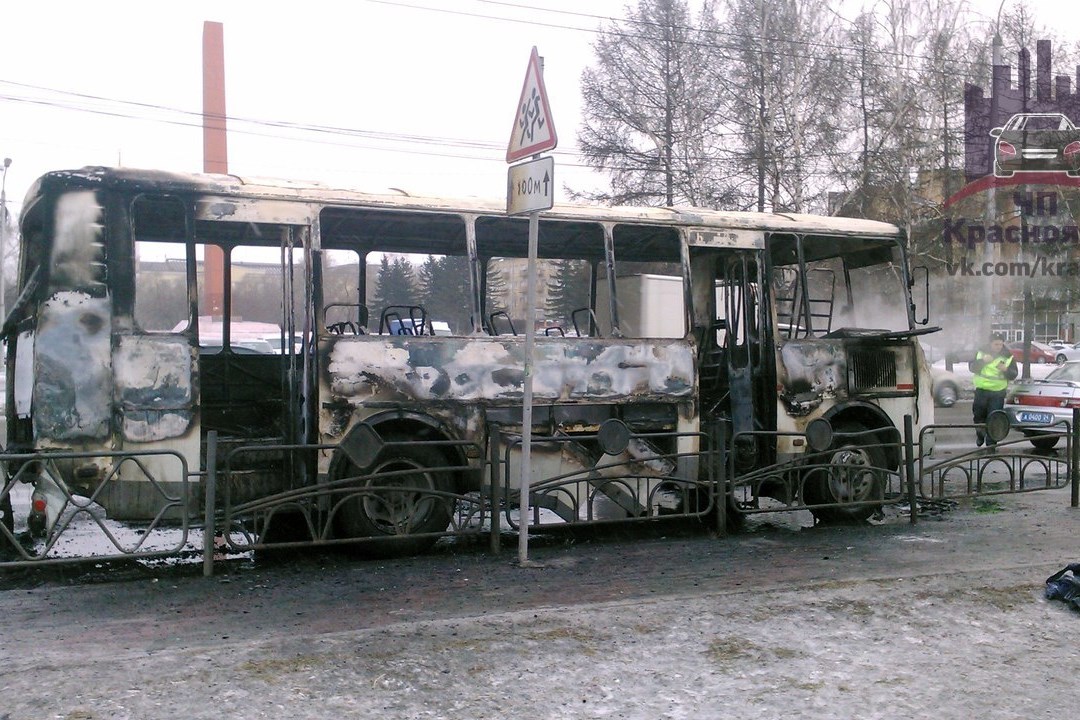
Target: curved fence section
{"type": "Point", "coordinates": [577, 481]}
{"type": "Point", "coordinates": [68, 524]}
{"type": "Point", "coordinates": [417, 495]}
{"type": "Point", "coordinates": [853, 476]}
{"type": "Point", "coordinates": [399, 497]}
{"type": "Point", "coordinates": [1010, 466]}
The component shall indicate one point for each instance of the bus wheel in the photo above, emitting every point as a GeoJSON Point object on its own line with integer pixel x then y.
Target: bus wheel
{"type": "Point", "coordinates": [850, 471]}
{"type": "Point", "coordinates": [401, 507]}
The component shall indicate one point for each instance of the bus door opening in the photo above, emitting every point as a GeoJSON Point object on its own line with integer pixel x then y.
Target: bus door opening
{"type": "Point", "coordinates": [251, 365]}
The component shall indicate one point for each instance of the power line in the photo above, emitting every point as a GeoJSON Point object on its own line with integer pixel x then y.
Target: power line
{"type": "Point", "coordinates": [194, 120]}
{"type": "Point", "coordinates": [335, 133]}
{"type": "Point", "coordinates": [783, 40]}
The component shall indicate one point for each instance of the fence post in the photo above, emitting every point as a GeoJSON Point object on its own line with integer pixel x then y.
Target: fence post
{"type": "Point", "coordinates": [1074, 461]}
{"type": "Point", "coordinates": [718, 470]}
{"type": "Point", "coordinates": [209, 522]}
{"type": "Point", "coordinates": [496, 489]}
{"type": "Point", "coordinates": [909, 468]}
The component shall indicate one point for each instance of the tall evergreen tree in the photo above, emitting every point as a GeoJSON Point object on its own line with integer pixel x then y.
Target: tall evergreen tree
{"type": "Point", "coordinates": [567, 290]}
{"type": "Point", "coordinates": [395, 285]}
{"type": "Point", "coordinates": [445, 290]}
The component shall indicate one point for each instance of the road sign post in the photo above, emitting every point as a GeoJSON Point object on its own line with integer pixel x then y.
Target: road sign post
{"type": "Point", "coordinates": [530, 188]}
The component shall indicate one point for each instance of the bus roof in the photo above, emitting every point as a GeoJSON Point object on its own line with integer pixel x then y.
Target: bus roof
{"type": "Point", "coordinates": [324, 194]}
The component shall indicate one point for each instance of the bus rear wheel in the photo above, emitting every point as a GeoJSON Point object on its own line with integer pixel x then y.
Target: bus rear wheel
{"type": "Point", "coordinates": [403, 505]}
{"type": "Point", "coordinates": [850, 471]}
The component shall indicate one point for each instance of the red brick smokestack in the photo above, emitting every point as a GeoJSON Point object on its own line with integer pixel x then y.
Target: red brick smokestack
{"type": "Point", "coordinates": [215, 156]}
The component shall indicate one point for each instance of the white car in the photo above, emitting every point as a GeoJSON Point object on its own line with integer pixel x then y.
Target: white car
{"type": "Point", "coordinates": [946, 387]}
{"type": "Point", "coordinates": [1066, 353]}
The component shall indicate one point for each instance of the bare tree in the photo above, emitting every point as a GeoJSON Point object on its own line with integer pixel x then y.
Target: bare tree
{"type": "Point", "coordinates": [783, 77]}
{"type": "Point", "coordinates": [652, 111]}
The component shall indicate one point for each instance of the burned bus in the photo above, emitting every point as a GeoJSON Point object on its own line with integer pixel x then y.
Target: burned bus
{"type": "Point", "coordinates": [156, 309]}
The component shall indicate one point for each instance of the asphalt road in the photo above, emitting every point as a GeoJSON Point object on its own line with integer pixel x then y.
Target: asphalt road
{"type": "Point", "coordinates": [783, 619]}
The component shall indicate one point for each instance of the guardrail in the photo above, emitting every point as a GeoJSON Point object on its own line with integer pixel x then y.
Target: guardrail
{"type": "Point", "coordinates": [82, 522]}
{"type": "Point", "coordinates": [635, 479]}
{"type": "Point", "coordinates": [1008, 467]}
{"type": "Point", "coordinates": [638, 478]}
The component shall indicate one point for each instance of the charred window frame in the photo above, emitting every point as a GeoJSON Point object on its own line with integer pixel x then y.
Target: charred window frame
{"type": "Point", "coordinates": [806, 271]}
{"type": "Point", "coordinates": [638, 249]}
{"type": "Point", "coordinates": [568, 249]}
{"type": "Point", "coordinates": [162, 263]}
{"type": "Point", "coordinates": [415, 236]}
{"type": "Point", "coordinates": [282, 242]}
{"type": "Point", "coordinates": [343, 290]}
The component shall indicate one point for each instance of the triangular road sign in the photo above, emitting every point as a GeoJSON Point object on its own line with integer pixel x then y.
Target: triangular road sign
{"type": "Point", "coordinates": [534, 130]}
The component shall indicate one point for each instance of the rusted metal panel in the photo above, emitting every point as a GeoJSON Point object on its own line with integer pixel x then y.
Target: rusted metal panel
{"type": "Point", "coordinates": [320, 194]}
{"type": "Point", "coordinates": [73, 386]}
{"type": "Point", "coordinates": [817, 370]}
{"type": "Point", "coordinates": [809, 372]}
{"type": "Point", "coordinates": [240, 209]}
{"type": "Point", "coordinates": [491, 370]}
{"type": "Point", "coordinates": [153, 386]}
{"type": "Point", "coordinates": [713, 237]}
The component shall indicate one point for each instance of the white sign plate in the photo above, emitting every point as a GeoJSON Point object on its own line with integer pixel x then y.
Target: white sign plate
{"type": "Point", "coordinates": [534, 130]}
{"type": "Point", "coordinates": [530, 186]}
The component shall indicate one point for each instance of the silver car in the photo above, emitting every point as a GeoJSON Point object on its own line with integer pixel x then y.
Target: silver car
{"type": "Point", "coordinates": [1041, 409]}
{"type": "Point", "coordinates": [1066, 353]}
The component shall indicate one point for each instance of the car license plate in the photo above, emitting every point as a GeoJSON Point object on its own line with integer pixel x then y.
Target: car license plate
{"type": "Point", "coordinates": [1036, 417]}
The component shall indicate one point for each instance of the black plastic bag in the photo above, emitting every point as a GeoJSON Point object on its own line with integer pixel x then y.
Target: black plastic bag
{"type": "Point", "coordinates": [1065, 585]}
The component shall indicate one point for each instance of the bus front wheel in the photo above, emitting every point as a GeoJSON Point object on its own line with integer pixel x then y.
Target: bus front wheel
{"type": "Point", "coordinates": [393, 499]}
{"type": "Point", "coordinates": [851, 471]}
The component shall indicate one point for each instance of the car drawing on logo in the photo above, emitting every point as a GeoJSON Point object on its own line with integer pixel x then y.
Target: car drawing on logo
{"type": "Point", "coordinates": [1036, 142]}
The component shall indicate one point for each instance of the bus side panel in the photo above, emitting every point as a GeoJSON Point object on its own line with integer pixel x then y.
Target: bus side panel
{"type": "Point", "coordinates": [154, 388]}
{"type": "Point", "coordinates": [479, 369]}
{"type": "Point", "coordinates": [449, 379]}
{"type": "Point", "coordinates": [73, 388]}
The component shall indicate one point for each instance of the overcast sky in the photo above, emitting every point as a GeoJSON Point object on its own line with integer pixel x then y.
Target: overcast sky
{"type": "Point", "coordinates": [413, 94]}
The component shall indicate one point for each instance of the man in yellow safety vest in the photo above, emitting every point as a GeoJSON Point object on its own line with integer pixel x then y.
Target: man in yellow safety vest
{"type": "Point", "coordinates": [993, 368]}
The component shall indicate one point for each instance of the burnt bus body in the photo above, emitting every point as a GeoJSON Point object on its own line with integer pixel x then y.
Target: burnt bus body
{"type": "Point", "coordinates": [128, 337]}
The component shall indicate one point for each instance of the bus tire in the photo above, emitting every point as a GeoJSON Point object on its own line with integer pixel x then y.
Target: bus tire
{"type": "Point", "coordinates": [854, 473]}
{"type": "Point", "coordinates": [402, 509]}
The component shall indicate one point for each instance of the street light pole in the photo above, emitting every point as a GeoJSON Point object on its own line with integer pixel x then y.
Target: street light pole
{"type": "Point", "coordinates": [3, 239]}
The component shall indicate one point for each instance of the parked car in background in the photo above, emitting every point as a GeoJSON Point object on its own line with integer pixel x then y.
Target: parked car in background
{"type": "Point", "coordinates": [1040, 352]}
{"type": "Point", "coordinates": [1039, 408]}
{"type": "Point", "coordinates": [277, 346]}
{"type": "Point", "coordinates": [946, 388]}
{"type": "Point", "coordinates": [1066, 353]}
